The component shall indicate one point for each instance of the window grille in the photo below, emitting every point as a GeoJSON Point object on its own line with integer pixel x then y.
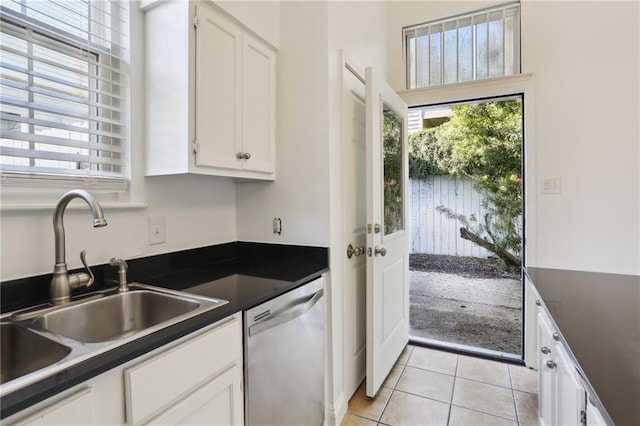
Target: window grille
{"type": "Point", "coordinates": [474, 46]}
{"type": "Point", "coordinates": [64, 92]}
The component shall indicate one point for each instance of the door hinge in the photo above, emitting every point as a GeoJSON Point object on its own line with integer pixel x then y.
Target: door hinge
{"type": "Point", "coordinates": [195, 22]}
{"type": "Point", "coordinates": [195, 146]}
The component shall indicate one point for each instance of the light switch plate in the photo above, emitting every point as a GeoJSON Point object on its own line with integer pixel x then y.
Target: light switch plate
{"type": "Point", "coordinates": [156, 230]}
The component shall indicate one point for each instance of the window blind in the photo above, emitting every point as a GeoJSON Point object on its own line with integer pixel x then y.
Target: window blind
{"type": "Point", "coordinates": [474, 46]}
{"type": "Point", "coordinates": [64, 91]}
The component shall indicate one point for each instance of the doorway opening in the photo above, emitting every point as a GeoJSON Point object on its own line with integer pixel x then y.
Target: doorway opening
{"type": "Point", "coordinates": [467, 224]}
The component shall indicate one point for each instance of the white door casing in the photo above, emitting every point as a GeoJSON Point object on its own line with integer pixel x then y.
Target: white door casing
{"type": "Point", "coordinates": [387, 242]}
{"type": "Point", "coordinates": [354, 222]}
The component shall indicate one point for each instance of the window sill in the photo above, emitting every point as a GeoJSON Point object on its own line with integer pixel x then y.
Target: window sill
{"type": "Point", "coordinates": [52, 206]}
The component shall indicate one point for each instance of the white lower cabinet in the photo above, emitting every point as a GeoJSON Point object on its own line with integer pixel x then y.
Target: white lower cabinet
{"type": "Point", "coordinates": [172, 387]}
{"type": "Point", "coordinates": [594, 416]}
{"type": "Point", "coordinates": [217, 402]}
{"type": "Point", "coordinates": [74, 409]}
{"type": "Point", "coordinates": [195, 380]}
{"type": "Point", "coordinates": [561, 395]}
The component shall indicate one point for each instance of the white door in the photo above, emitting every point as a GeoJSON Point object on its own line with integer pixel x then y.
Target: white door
{"type": "Point", "coordinates": [354, 223]}
{"type": "Point", "coordinates": [387, 236]}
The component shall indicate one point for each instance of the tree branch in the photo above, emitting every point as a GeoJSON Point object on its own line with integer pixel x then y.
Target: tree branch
{"type": "Point", "coordinates": [510, 259]}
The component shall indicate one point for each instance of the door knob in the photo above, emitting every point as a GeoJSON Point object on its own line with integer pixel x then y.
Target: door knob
{"type": "Point", "coordinates": [354, 251]}
{"type": "Point", "coordinates": [380, 251]}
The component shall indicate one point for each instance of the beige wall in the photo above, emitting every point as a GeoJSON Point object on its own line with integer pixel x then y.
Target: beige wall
{"type": "Point", "coordinates": [300, 194]}
{"type": "Point", "coordinates": [585, 60]}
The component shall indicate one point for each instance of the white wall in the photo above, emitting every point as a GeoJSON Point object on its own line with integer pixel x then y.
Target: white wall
{"type": "Point", "coordinates": [584, 57]}
{"type": "Point", "coordinates": [300, 194]}
{"type": "Point", "coordinates": [198, 211]}
{"type": "Point", "coordinates": [585, 61]}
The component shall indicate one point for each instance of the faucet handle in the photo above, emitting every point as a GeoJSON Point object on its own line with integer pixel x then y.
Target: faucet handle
{"type": "Point", "coordinates": [122, 273]}
{"type": "Point", "coordinates": [82, 279]}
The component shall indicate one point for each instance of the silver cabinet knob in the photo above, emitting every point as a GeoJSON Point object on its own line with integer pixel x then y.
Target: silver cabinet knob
{"type": "Point", "coordinates": [545, 350]}
{"type": "Point", "coordinates": [380, 251]}
{"type": "Point", "coordinates": [243, 155]}
{"type": "Point", "coordinates": [556, 336]}
{"type": "Point", "coordinates": [247, 155]}
{"type": "Point", "coordinates": [551, 364]}
{"type": "Point", "coordinates": [538, 302]}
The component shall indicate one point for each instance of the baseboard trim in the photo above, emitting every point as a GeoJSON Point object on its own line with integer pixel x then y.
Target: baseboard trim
{"type": "Point", "coordinates": [335, 412]}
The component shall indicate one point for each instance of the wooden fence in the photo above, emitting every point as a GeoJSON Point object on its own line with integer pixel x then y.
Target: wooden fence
{"type": "Point", "coordinates": [432, 232]}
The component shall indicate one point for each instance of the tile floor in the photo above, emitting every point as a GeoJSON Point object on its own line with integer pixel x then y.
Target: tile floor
{"type": "Point", "coordinates": [430, 387]}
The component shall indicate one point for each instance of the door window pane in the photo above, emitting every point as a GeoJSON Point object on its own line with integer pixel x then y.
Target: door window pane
{"type": "Point", "coordinates": [392, 128]}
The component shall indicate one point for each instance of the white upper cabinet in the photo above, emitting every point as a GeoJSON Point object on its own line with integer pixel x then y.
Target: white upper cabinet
{"type": "Point", "coordinates": [210, 94]}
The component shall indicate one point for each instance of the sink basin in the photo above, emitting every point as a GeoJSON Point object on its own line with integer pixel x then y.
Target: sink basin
{"type": "Point", "coordinates": [117, 316]}
{"type": "Point", "coordinates": [24, 352]}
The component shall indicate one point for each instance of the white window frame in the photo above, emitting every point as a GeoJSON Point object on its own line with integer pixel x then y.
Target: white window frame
{"type": "Point", "coordinates": [21, 184]}
{"type": "Point", "coordinates": [511, 62]}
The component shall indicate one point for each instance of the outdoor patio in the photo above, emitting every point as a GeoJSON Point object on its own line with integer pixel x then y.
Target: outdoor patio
{"type": "Point", "coordinates": [481, 307]}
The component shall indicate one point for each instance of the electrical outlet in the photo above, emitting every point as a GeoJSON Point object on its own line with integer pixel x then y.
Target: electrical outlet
{"type": "Point", "coordinates": [277, 226]}
{"type": "Point", "coordinates": [551, 186]}
{"type": "Point", "coordinates": [156, 230]}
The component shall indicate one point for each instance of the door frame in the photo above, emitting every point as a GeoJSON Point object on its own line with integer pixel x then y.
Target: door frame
{"type": "Point", "coordinates": [495, 87]}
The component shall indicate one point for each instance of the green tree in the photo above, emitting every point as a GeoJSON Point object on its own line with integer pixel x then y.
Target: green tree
{"type": "Point", "coordinates": [426, 156]}
{"type": "Point", "coordinates": [483, 143]}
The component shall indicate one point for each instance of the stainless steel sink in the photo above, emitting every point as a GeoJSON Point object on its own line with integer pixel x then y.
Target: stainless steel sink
{"type": "Point", "coordinates": [117, 316]}
{"type": "Point", "coordinates": [24, 351]}
{"type": "Point", "coordinates": [45, 340]}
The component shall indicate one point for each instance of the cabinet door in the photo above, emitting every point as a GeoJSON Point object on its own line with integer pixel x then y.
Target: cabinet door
{"type": "Point", "coordinates": [218, 402]}
{"type": "Point", "coordinates": [156, 383]}
{"type": "Point", "coordinates": [594, 416]}
{"type": "Point", "coordinates": [76, 409]}
{"type": "Point", "coordinates": [546, 372]}
{"type": "Point", "coordinates": [571, 396]}
{"type": "Point", "coordinates": [258, 105]}
{"type": "Point", "coordinates": [217, 90]}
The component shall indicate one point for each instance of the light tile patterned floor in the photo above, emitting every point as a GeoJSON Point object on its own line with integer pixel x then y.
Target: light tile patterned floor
{"type": "Point", "coordinates": [430, 387]}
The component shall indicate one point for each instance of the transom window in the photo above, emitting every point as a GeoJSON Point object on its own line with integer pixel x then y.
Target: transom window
{"type": "Point", "coordinates": [64, 92]}
{"type": "Point", "coordinates": [474, 46]}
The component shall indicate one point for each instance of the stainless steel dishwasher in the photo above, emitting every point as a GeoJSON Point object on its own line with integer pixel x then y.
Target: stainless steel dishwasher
{"type": "Point", "coordinates": [284, 358]}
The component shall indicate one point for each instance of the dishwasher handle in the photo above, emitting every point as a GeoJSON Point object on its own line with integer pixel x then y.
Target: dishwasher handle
{"type": "Point", "coordinates": [282, 317]}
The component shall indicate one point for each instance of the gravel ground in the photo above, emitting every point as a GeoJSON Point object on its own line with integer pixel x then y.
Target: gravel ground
{"type": "Point", "coordinates": [470, 267]}
{"type": "Point", "coordinates": [480, 308]}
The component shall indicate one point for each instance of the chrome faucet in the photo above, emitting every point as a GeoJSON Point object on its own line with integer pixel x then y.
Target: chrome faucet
{"type": "Point", "coordinates": [62, 282]}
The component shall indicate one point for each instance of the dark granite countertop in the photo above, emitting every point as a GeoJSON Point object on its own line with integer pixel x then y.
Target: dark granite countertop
{"type": "Point", "coordinates": [598, 316]}
{"type": "Point", "coordinates": [245, 274]}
